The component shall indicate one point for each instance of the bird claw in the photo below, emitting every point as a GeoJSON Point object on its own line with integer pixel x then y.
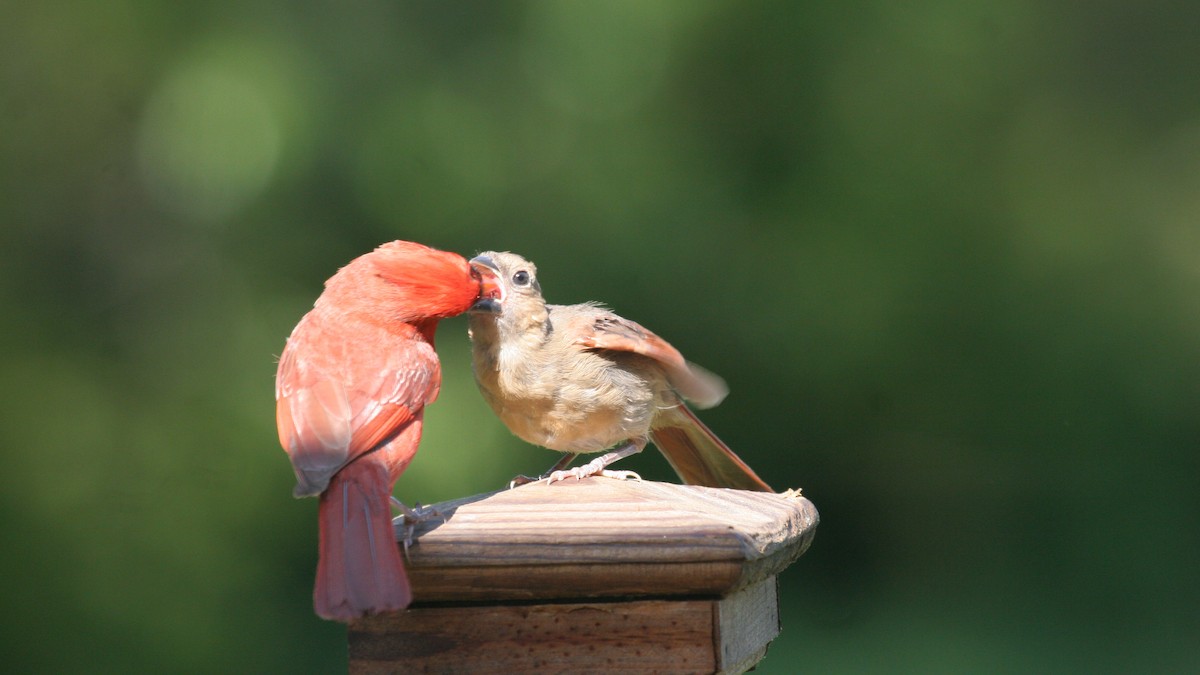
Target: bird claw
{"type": "Point", "coordinates": [521, 480]}
{"type": "Point", "coordinates": [620, 474]}
{"type": "Point", "coordinates": [410, 529]}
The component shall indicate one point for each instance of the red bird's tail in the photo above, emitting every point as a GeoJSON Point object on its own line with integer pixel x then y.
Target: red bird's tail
{"type": "Point", "coordinates": [360, 570]}
{"type": "Point", "coordinates": [698, 456]}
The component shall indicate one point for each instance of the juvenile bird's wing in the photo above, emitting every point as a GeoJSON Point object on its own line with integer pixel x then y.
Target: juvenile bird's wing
{"type": "Point", "coordinates": [603, 329]}
{"type": "Point", "coordinates": [338, 398]}
{"type": "Point", "coordinates": [695, 452]}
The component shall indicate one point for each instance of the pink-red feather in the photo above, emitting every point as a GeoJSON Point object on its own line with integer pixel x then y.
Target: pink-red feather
{"type": "Point", "coordinates": [351, 389]}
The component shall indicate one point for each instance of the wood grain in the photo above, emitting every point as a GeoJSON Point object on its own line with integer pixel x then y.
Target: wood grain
{"type": "Point", "coordinates": [725, 635]}
{"type": "Point", "coordinates": [601, 537]}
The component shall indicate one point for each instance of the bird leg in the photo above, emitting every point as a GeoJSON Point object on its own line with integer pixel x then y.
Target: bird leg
{"type": "Point", "coordinates": [562, 463]}
{"type": "Point", "coordinates": [596, 467]}
{"type": "Point", "coordinates": [404, 511]}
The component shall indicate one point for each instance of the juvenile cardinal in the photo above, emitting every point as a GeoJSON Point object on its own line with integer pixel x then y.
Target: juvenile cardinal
{"type": "Point", "coordinates": [351, 391]}
{"type": "Point", "coordinates": [580, 379]}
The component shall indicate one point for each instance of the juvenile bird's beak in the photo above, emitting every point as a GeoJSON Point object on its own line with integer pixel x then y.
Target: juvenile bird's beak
{"type": "Point", "coordinates": [491, 292]}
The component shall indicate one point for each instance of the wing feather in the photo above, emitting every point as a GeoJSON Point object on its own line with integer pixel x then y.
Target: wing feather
{"type": "Point", "coordinates": [607, 331]}
{"type": "Point", "coordinates": [342, 400]}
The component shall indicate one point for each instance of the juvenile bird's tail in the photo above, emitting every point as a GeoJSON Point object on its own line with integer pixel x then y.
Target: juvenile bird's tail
{"type": "Point", "coordinates": [698, 456]}
{"type": "Point", "coordinates": [360, 570]}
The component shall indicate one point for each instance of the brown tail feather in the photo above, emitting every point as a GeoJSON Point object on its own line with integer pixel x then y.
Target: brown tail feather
{"type": "Point", "coordinates": [698, 456]}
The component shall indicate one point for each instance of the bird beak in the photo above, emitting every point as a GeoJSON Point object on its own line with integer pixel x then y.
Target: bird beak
{"type": "Point", "coordinates": [491, 292]}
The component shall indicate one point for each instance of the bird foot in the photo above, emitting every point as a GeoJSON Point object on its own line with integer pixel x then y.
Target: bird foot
{"type": "Point", "coordinates": [592, 468]}
{"type": "Point", "coordinates": [411, 518]}
{"type": "Point", "coordinates": [562, 463]}
{"type": "Point", "coordinates": [404, 511]}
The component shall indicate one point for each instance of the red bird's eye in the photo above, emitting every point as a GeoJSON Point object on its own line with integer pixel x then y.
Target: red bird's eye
{"type": "Point", "coordinates": [521, 278]}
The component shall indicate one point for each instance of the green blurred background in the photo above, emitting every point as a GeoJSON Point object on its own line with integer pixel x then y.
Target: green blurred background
{"type": "Point", "coordinates": [946, 254]}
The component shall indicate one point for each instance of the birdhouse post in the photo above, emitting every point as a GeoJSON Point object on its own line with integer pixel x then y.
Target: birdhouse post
{"type": "Point", "coordinates": [597, 575]}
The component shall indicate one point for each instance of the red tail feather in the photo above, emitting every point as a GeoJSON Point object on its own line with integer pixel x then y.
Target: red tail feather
{"type": "Point", "coordinates": [360, 570]}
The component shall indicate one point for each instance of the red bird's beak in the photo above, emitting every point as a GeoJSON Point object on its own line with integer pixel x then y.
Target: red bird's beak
{"type": "Point", "coordinates": [491, 292]}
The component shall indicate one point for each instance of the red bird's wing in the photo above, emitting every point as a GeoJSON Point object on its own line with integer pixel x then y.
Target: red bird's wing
{"type": "Point", "coordinates": [609, 331]}
{"type": "Point", "coordinates": [340, 397]}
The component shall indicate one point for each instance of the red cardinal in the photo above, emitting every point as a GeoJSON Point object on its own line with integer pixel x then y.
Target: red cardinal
{"type": "Point", "coordinates": [351, 391]}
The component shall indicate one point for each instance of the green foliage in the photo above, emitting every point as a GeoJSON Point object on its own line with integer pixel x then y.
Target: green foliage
{"type": "Point", "coordinates": [947, 256]}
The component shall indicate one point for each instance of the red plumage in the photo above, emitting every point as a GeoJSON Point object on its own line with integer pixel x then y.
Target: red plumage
{"type": "Point", "coordinates": [351, 390]}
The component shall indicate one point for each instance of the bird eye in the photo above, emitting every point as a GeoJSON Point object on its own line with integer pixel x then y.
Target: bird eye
{"type": "Point", "coordinates": [521, 278]}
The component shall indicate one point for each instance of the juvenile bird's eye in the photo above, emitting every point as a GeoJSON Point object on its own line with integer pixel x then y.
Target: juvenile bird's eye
{"type": "Point", "coordinates": [521, 278]}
